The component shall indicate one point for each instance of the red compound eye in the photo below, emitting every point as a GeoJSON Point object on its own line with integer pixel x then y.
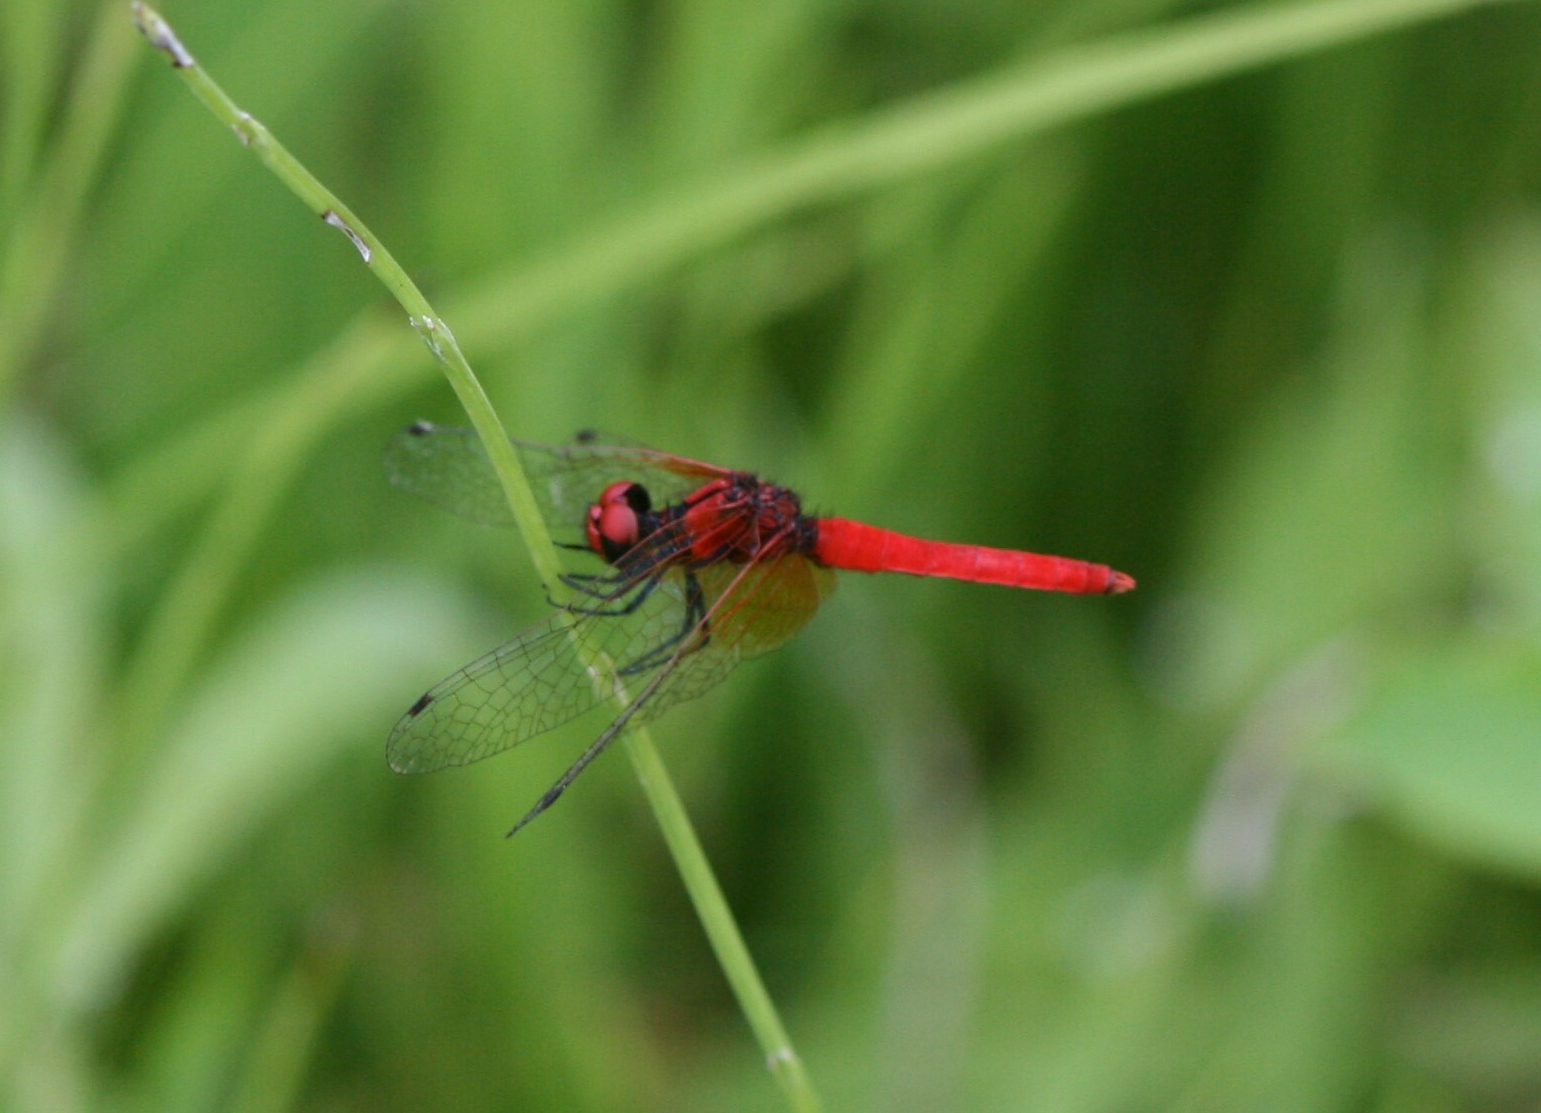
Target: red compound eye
{"type": "Point", "coordinates": [615, 520]}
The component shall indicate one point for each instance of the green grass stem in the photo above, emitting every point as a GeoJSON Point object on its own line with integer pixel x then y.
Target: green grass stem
{"type": "Point", "coordinates": [679, 834]}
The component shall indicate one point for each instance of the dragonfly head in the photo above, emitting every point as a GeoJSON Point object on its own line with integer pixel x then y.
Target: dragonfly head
{"type": "Point", "coordinates": [615, 519]}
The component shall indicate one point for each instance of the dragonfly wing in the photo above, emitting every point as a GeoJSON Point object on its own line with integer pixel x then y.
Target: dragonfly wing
{"type": "Point", "coordinates": [751, 609]}
{"type": "Point", "coordinates": [755, 608]}
{"type": "Point", "coordinates": [557, 670]}
{"type": "Point", "coordinates": [772, 604]}
{"type": "Point", "coordinates": [549, 675]}
{"type": "Point", "coordinates": [527, 686]}
{"type": "Point", "coordinates": [448, 467]}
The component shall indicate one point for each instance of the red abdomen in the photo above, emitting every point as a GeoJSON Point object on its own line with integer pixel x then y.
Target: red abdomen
{"type": "Point", "coordinates": [856, 546]}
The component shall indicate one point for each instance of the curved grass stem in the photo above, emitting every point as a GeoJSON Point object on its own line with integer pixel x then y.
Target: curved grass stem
{"type": "Point", "coordinates": [679, 834]}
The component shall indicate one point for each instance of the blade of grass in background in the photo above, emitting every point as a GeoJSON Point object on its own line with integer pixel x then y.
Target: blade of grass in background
{"type": "Point", "coordinates": [43, 232]}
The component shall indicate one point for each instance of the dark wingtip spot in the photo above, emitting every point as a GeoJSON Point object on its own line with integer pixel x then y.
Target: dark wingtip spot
{"type": "Point", "coordinates": [583, 436]}
{"type": "Point", "coordinates": [422, 701]}
{"type": "Point", "coordinates": [420, 428]}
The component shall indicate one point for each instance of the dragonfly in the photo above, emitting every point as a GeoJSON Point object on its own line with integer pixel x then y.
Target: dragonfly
{"type": "Point", "coordinates": [700, 567]}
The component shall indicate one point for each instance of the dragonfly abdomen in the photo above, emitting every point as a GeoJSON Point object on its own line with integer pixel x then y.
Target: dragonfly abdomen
{"type": "Point", "coordinates": [858, 547]}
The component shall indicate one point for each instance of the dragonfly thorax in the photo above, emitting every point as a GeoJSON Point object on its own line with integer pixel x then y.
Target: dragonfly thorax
{"type": "Point", "coordinates": [741, 519]}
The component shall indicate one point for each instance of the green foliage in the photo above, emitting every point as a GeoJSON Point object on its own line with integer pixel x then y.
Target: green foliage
{"type": "Point", "coordinates": [1086, 278]}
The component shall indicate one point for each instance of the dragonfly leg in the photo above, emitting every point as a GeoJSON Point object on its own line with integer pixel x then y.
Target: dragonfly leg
{"type": "Point", "coordinates": [587, 584]}
{"type": "Point", "coordinates": [695, 615]}
{"type": "Point", "coordinates": [639, 596]}
{"type": "Point", "coordinates": [596, 748]}
{"type": "Point", "coordinates": [594, 586]}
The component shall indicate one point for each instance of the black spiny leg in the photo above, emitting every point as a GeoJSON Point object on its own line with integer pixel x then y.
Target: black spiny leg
{"type": "Point", "coordinates": [695, 614]}
{"type": "Point", "coordinates": [639, 596]}
{"type": "Point", "coordinates": [603, 588]}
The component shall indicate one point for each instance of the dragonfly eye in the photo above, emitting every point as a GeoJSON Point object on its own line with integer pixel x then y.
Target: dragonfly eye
{"type": "Point", "coordinates": [615, 520]}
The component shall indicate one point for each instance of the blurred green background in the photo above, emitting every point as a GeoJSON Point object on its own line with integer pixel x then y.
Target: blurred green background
{"type": "Point", "coordinates": [1265, 835]}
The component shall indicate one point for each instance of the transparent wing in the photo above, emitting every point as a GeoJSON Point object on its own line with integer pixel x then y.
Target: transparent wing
{"type": "Point", "coordinates": [751, 609]}
{"type": "Point", "coordinates": [758, 608]}
{"type": "Point", "coordinates": [532, 684]}
{"type": "Point", "coordinates": [449, 467]}
{"type": "Point", "coordinates": [542, 678]}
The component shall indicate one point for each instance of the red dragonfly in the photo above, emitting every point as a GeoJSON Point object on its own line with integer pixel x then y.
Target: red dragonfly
{"type": "Point", "coordinates": [705, 566]}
